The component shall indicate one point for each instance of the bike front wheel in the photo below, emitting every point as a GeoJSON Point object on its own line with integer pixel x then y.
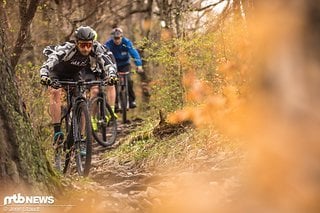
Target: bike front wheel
{"type": "Point", "coordinates": [82, 139]}
{"type": "Point", "coordinates": [61, 159]}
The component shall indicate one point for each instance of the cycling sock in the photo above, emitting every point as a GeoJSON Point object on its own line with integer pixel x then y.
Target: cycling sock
{"type": "Point", "coordinates": [112, 108]}
{"type": "Point", "coordinates": [57, 127]}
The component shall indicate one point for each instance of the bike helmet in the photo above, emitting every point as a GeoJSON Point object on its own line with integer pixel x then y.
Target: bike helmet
{"type": "Point", "coordinates": [117, 32]}
{"type": "Point", "coordinates": [84, 33]}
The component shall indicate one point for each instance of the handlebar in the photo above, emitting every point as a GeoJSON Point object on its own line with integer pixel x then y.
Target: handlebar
{"type": "Point", "coordinates": [60, 84]}
{"type": "Point", "coordinates": [81, 82]}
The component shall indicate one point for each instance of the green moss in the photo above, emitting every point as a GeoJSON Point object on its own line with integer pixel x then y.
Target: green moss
{"type": "Point", "coordinates": [33, 166]}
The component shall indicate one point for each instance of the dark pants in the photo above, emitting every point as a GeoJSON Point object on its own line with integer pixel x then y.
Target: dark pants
{"type": "Point", "coordinates": [126, 68]}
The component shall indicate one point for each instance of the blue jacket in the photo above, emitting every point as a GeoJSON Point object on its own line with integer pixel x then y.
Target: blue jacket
{"type": "Point", "coordinates": [123, 52]}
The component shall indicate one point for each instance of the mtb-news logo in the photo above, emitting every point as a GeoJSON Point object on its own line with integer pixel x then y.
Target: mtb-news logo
{"type": "Point", "coordinates": [21, 199]}
{"type": "Point", "coordinates": [23, 203]}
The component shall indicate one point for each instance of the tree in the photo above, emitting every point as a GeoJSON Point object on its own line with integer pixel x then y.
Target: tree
{"type": "Point", "coordinates": [26, 14]}
{"type": "Point", "coordinates": [22, 160]}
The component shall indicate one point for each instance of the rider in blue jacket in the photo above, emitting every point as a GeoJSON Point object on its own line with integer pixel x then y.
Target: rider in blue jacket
{"type": "Point", "coordinates": [122, 48]}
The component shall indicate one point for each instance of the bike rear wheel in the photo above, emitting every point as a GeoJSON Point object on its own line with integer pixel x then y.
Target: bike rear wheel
{"type": "Point", "coordinates": [105, 132]}
{"type": "Point", "coordinates": [82, 139]}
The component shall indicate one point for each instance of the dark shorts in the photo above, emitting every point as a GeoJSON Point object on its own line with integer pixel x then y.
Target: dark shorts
{"type": "Point", "coordinates": [124, 68]}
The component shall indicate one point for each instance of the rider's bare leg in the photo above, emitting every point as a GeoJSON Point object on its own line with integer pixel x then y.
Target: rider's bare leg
{"type": "Point", "coordinates": [55, 112]}
{"type": "Point", "coordinates": [55, 105]}
{"type": "Point", "coordinates": [94, 90]}
{"type": "Point", "coordinates": [111, 94]}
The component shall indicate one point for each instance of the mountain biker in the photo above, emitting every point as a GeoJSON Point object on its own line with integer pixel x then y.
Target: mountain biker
{"type": "Point", "coordinates": [122, 48]}
{"type": "Point", "coordinates": [82, 58]}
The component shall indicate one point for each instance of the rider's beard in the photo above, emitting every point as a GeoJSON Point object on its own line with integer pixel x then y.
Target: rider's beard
{"type": "Point", "coordinates": [85, 52]}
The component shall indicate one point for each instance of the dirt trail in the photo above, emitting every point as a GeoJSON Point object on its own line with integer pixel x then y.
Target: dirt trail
{"type": "Point", "coordinates": [129, 187]}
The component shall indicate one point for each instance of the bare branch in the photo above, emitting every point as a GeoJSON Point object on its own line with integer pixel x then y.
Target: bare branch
{"type": "Point", "coordinates": [86, 17]}
{"type": "Point", "coordinates": [26, 16]}
{"type": "Point", "coordinates": [224, 14]}
{"type": "Point", "coordinates": [208, 6]}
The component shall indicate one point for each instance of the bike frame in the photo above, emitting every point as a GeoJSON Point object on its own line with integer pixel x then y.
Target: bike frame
{"type": "Point", "coordinates": [74, 91]}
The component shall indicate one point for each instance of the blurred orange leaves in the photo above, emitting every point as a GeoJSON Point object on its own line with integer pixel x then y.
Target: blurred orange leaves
{"type": "Point", "coordinates": [224, 110]}
{"type": "Point", "coordinates": [197, 90]}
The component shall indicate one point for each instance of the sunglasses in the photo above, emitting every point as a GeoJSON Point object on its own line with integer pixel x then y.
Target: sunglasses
{"type": "Point", "coordinates": [117, 38]}
{"type": "Point", "coordinates": [85, 44]}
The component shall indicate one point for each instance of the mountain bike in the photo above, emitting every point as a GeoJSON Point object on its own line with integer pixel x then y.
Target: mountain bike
{"type": "Point", "coordinates": [123, 94]}
{"type": "Point", "coordinates": [104, 122]}
{"type": "Point", "coordinates": [77, 126]}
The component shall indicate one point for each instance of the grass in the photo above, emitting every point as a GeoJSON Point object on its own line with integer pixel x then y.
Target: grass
{"type": "Point", "coordinates": [172, 150]}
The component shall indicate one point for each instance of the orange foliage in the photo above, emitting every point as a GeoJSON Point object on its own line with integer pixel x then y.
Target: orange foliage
{"type": "Point", "coordinates": [197, 90]}
{"type": "Point", "coordinates": [166, 35]}
{"type": "Point", "coordinates": [278, 114]}
{"type": "Point", "coordinates": [211, 109]}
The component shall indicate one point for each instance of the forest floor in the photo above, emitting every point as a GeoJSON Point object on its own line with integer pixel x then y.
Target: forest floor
{"type": "Point", "coordinates": [187, 185]}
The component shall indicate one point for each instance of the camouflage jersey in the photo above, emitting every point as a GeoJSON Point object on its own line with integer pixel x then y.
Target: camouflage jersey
{"type": "Point", "coordinates": [99, 60]}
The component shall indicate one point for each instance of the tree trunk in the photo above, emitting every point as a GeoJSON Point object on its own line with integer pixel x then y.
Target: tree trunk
{"type": "Point", "coordinates": [22, 160]}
